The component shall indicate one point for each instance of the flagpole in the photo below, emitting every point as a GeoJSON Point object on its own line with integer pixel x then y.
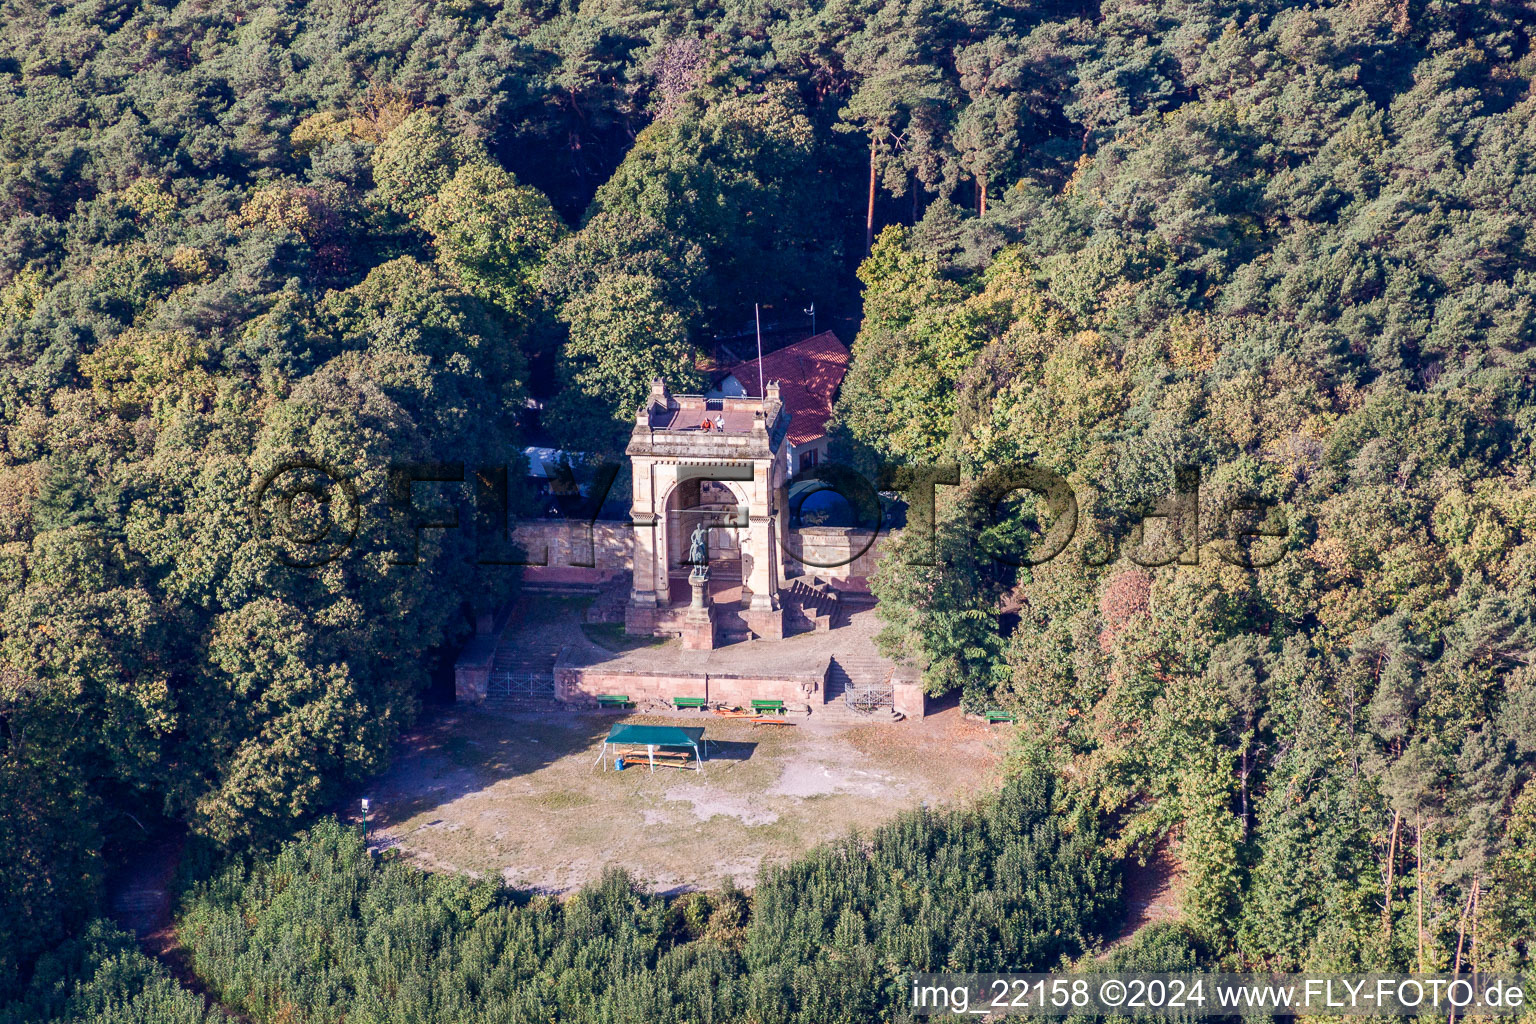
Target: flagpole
{"type": "Point", "coordinates": [757, 313]}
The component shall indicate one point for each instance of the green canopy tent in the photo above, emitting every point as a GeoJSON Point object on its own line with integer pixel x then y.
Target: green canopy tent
{"type": "Point", "coordinates": [652, 737]}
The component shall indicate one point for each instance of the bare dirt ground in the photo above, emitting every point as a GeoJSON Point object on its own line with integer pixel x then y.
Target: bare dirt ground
{"type": "Point", "coordinates": [522, 796]}
{"type": "Point", "coordinates": [1154, 892]}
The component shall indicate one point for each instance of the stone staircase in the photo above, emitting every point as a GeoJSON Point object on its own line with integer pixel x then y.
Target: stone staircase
{"type": "Point", "coordinates": [609, 605]}
{"type": "Point", "coordinates": [138, 905]}
{"type": "Point", "coordinates": [139, 890]}
{"type": "Point", "coordinates": [812, 603]}
{"type": "Point", "coordinates": [857, 672]}
{"type": "Point", "coordinates": [523, 674]}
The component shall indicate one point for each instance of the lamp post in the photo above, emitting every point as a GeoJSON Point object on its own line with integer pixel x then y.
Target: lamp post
{"type": "Point", "coordinates": [365, 819]}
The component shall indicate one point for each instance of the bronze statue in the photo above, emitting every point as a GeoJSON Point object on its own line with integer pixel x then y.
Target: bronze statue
{"type": "Point", "coordinates": [698, 547]}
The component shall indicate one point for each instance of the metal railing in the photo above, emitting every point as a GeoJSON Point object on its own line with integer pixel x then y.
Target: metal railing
{"type": "Point", "coordinates": [521, 686]}
{"type": "Point", "coordinates": [868, 700]}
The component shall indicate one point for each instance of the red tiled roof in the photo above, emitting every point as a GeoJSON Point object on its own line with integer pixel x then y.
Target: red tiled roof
{"type": "Point", "coordinates": [809, 373]}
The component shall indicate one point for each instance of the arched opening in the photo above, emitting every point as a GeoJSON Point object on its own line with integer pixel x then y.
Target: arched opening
{"type": "Point", "coordinates": [715, 505]}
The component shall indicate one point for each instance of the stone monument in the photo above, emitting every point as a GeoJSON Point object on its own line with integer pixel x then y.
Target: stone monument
{"type": "Point", "coordinates": [699, 632]}
{"type": "Point", "coordinates": [674, 461]}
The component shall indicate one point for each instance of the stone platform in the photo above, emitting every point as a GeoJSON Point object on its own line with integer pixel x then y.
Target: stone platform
{"type": "Point", "coordinates": [814, 668]}
{"type": "Point", "coordinates": [733, 674]}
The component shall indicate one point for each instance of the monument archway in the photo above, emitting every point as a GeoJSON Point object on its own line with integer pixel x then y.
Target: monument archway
{"type": "Point", "coordinates": [694, 458]}
{"type": "Point", "coordinates": [723, 508]}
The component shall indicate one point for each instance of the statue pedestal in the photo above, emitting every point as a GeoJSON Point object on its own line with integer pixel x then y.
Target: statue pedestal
{"type": "Point", "coordinates": [699, 619]}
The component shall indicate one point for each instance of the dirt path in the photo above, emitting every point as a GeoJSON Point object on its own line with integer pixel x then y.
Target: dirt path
{"type": "Point", "coordinates": [1153, 893]}
{"type": "Point", "coordinates": [140, 893]}
{"type": "Point", "coordinates": [139, 896]}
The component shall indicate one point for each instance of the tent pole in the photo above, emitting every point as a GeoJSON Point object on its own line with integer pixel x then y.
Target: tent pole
{"type": "Point", "coordinates": [650, 750]}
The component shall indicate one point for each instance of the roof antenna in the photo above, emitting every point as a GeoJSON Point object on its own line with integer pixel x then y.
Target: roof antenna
{"type": "Point", "coordinates": [762, 389]}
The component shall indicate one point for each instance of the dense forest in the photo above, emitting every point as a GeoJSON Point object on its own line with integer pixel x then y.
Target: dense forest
{"type": "Point", "coordinates": [1309, 280]}
{"type": "Point", "coordinates": [1286, 245]}
{"type": "Point", "coordinates": [324, 932]}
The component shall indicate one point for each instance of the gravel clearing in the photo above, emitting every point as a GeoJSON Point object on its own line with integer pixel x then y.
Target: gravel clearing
{"type": "Point", "coordinates": [521, 796]}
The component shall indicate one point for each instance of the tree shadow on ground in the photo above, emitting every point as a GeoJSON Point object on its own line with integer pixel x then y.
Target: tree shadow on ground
{"type": "Point", "coordinates": [456, 752]}
{"type": "Point", "coordinates": [730, 750]}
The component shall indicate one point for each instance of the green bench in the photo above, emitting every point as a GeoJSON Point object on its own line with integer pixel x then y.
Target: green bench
{"type": "Point", "coordinates": [768, 706]}
{"type": "Point", "coordinates": [698, 703]}
{"type": "Point", "coordinates": [614, 700]}
{"type": "Point", "coordinates": [995, 715]}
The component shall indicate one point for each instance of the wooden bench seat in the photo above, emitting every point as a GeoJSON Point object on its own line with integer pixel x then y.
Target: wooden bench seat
{"type": "Point", "coordinates": [668, 758]}
{"type": "Point", "coordinates": [614, 700]}
{"type": "Point", "coordinates": [768, 705]}
{"type": "Point", "coordinates": [994, 715]}
{"type": "Point", "coordinates": [699, 703]}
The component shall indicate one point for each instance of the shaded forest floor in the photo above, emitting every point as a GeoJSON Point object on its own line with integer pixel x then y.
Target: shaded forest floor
{"type": "Point", "coordinates": [1154, 892]}
{"type": "Point", "coordinates": [142, 896]}
{"type": "Point", "coordinates": [521, 795]}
